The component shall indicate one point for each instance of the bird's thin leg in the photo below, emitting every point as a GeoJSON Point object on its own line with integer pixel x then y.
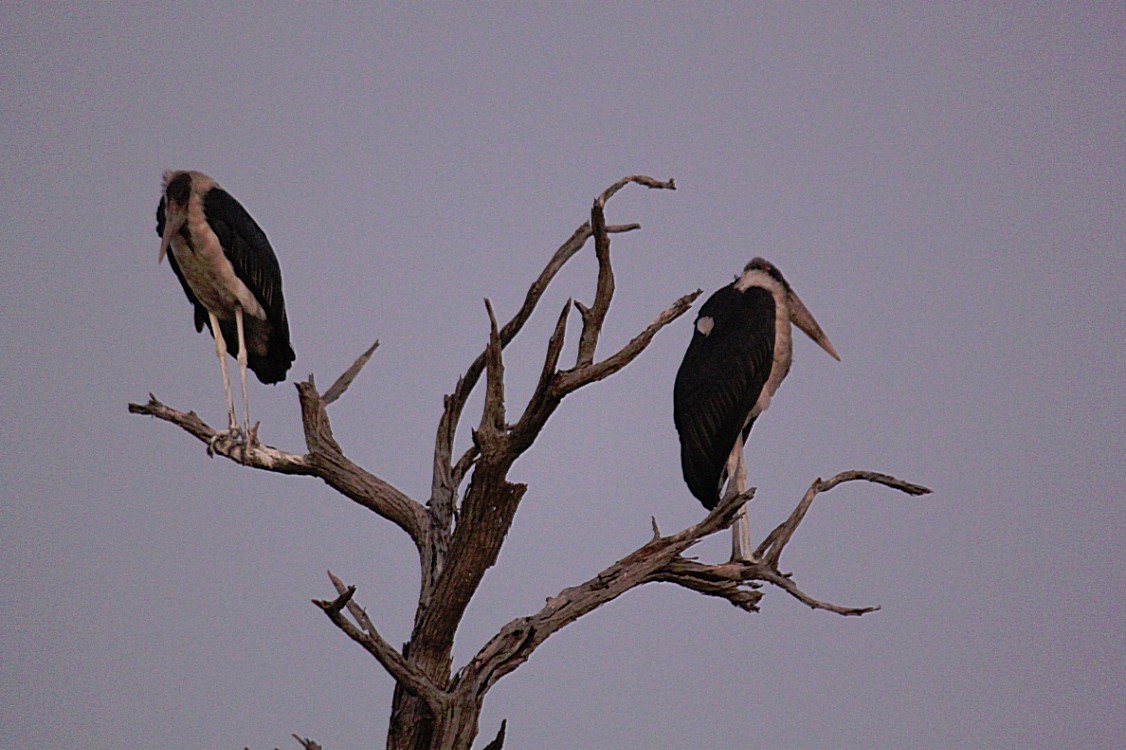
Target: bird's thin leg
{"type": "Point", "coordinates": [242, 365]}
{"type": "Point", "coordinates": [742, 542]}
{"type": "Point", "coordinates": [221, 352]}
{"type": "Point", "coordinates": [737, 484]}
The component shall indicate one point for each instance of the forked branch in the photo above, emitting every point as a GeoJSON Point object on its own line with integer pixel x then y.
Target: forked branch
{"type": "Point", "coordinates": [364, 633]}
{"type": "Point", "coordinates": [661, 559]}
{"type": "Point", "coordinates": [324, 458]}
{"type": "Point", "coordinates": [445, 481]}
{"type": "Point", "coordinates": [771, 548]}
{"type": "Point", "coordinates": [487, 509]}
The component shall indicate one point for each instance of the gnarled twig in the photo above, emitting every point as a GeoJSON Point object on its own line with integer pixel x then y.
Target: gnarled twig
{"type": "Point", "coordinates": [405, 673]}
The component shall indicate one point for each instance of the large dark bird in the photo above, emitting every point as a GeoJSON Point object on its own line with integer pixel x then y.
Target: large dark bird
{"type": "Point", "coordinates": [740, 352]}
{"type": "Point", "coordinates": [230, 273]}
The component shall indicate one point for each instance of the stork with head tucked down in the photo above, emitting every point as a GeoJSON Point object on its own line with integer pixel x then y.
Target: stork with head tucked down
{"type": "Point", "coordinates": [740, 352]}
{"type": "Point", "coordinates": [231, 276]}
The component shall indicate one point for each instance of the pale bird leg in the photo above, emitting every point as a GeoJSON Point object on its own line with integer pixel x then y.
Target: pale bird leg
{"type": "Point", "coordinates": [736, 485]}
{"type": "Point", "coordinates": [221, 352]}
{"type": "Point", "coordinates": [242, 365]}
{"type": "Point", "coordinates": [742, 543]}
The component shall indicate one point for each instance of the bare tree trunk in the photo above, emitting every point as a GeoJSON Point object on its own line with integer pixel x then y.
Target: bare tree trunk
{"type": "Point", "coordinates": [459, 534]}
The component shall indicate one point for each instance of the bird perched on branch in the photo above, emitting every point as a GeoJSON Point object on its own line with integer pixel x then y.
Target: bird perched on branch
{"type": "Point", "coordinates": [231, 276]}
{"type": "Point", "coordinates": [740, 352]}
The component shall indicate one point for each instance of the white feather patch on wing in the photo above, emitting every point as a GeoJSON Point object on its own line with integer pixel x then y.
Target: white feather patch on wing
{"type": "Point", "coordinates": [704, 325]}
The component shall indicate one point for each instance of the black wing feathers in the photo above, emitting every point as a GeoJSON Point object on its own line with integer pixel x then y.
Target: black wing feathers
{"type": "Point", "coordinates": [249, 251]}
{"type": "Point", "coordinates": [200, 312]}
{"type": "Point", "coordinates": [718, 382]}
{"type": "Point", "coordinates": [256, 265]}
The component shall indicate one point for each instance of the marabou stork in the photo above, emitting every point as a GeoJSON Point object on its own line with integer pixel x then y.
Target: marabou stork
{"type": "Point", "coordinates": [230, 273]}
{"type": "Point", "coordinates": [740, 352]}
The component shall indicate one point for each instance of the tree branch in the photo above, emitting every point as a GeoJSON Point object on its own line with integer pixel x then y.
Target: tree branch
{"type": "Point", "coordinates": [661, 559]}
{"type": "Point", "coordinates": [352, 481]}
{"type": "Point", "coordinates": [324, 459]}
{"type": "Point", "coordinates": [771, 548]}
{"type": "Point", "coordinates": [594, 317]}
{"type": "Point", "coordinates": [725, 581]}
{"type": "Point", "coordinates": [498, 741]}
{"type": "Point", "coordinates": [336, 390]}
{"type": "Point", "coordinates": [516, 641]}
{"type": "Point", "coordinates": [573, 379]}
{"type": "Point", "coordinates": [771, 575]}
{"type": "Point", "coordinates": [443, 487]}
{"type": "Point", "coordinates": [444, 483]}
{"type": "Point", "coordinates": [492, 414]}
{"type": "Point", "coordinates": [552, 388]}
{"type": "Point", "coordinates": [405, 673]}
{"type": "Point", "coordinates": [649, 182]}
{"type": "Point", "coordinates": [250, 453]}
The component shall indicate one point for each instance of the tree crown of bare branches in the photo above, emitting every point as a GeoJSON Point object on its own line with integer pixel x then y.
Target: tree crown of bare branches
{"type": "Point", "coordinates": [458, 531]}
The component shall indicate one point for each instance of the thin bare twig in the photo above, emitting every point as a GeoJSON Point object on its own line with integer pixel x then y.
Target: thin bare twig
{"type": "Point", "coordinates": [336, 390]}
{"type": "Point", "coordinates": [766, 573]}
{"type": "Point", "coordinates": [354, 609]}
{"type": "Point", "coordinates": [337, 604]}
{"type": "Point", "coordinates": [576, 378]}
{"type": "Point", "coordinates": [649, 182]}
{"type": "Point", "coordinates": [771, 548]}
{"type": "Point", "coordinates": [543, 401]}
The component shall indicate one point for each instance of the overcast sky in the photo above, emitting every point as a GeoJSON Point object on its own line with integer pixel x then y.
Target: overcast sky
{"type": "Point", "coordinates": [945, 187]}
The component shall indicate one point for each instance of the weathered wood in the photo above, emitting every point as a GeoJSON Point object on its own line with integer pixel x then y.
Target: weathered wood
{"type": "Point", "coordinates": [459, 535]}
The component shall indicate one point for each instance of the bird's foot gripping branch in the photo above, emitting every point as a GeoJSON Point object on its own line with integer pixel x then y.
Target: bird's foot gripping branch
{"type": "Point", "coordinates": [459, 529]}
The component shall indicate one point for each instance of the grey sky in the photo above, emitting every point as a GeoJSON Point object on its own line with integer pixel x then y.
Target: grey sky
{"type": "Point", "coordinates": [945, 186]}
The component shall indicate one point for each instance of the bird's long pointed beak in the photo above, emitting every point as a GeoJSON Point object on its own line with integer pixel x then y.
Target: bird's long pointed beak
{"type": "Point", "coordinates": [171, 226]}
{"type": "Point", "coordinates": [803, 319]}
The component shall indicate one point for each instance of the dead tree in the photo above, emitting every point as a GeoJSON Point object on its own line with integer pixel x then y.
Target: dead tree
{"type": "Point", "coordinates": [459, 530]}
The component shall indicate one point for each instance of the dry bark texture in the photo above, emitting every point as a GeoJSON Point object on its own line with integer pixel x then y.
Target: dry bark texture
{"type": "Point", "coordinates": [458, 531]}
